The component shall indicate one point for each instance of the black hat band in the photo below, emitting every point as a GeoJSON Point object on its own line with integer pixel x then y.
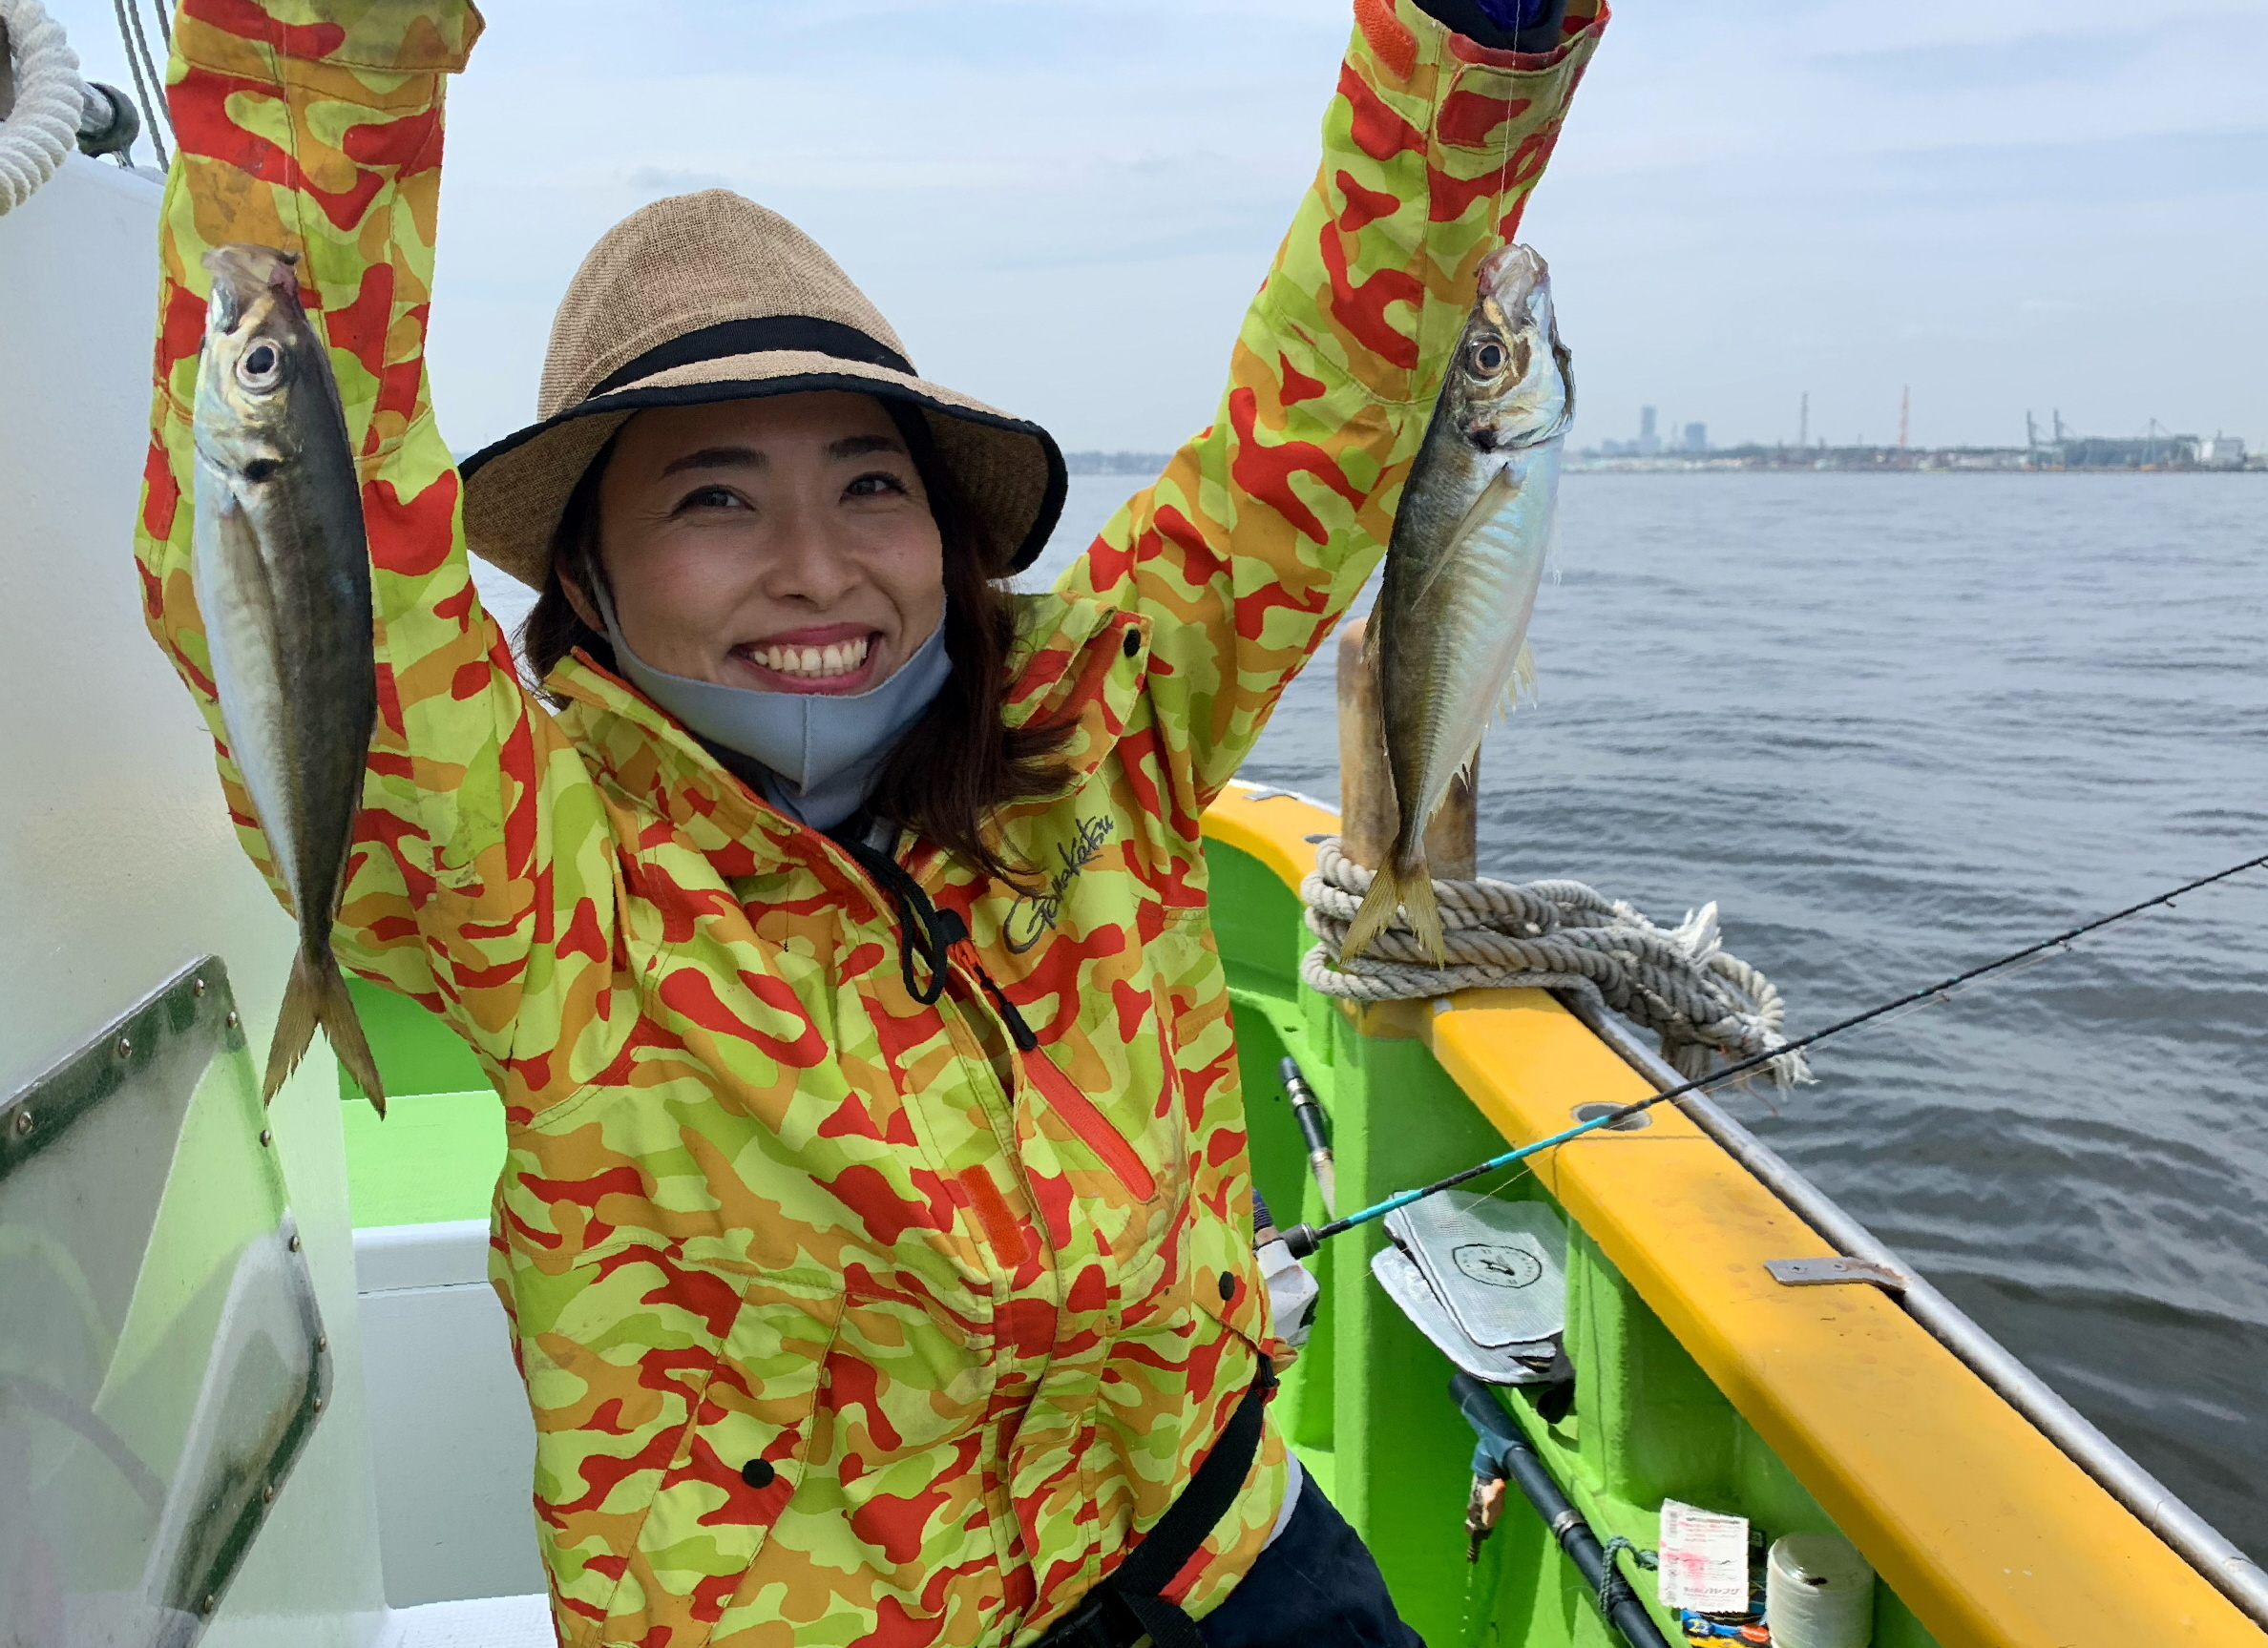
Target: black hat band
{"type": "Point", "coordinates": [760, 335]}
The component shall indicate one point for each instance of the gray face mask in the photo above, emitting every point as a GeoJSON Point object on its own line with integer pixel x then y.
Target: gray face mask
{"type": "Point", "coordinates": [819, 752]}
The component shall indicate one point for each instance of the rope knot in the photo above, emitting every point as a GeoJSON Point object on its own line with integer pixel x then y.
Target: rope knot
{"type": "Point", "coordinates": [1678, 982]}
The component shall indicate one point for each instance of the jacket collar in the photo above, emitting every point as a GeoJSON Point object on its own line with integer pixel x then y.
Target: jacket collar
{"type": "Point", "coordinates": [1073, 663]}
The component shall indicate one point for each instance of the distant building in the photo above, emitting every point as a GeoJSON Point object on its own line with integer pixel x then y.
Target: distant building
{"type": "Point", "coordinates": [2220, 452]}
{"type": "Point", "coordinates": [2127, 453]}
{"type": "Point", "coordinates": [1657, 437]}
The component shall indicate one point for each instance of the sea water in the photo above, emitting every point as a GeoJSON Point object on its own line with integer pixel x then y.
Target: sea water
{"type": "Point", "coordinates": [1897, 725]}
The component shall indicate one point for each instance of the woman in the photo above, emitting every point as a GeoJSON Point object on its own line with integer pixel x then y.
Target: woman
{"type": "Point", "coordinates": [875, 1228]}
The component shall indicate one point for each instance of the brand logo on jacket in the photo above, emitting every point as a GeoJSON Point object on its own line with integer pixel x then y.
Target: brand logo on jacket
{"type": "Point", "coordinates": [1035, 914]}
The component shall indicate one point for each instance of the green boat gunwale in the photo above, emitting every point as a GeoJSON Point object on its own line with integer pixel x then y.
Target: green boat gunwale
{"type": "Point", "coordinates": [1978, 1521]}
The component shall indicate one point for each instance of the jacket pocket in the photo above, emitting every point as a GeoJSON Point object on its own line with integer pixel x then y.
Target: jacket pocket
{"type": "Point", "coordinates": [1225, 1279]}
{"type": "Point", "coordinates": [736, 1465]}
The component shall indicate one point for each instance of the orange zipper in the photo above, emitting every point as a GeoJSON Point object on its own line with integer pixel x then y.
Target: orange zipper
{"type": "Point", "coordinates": [1070, 1102]}
{"type": "Point", "coordinates": [944, 934]}
{"type": "Point", "coordinates": [1092, 1126]}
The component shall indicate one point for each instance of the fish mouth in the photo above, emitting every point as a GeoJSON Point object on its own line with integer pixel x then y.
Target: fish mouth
{"type": "Point", "coordinates": [837, 660]}
{"type": "Point", "coordinates": [1511, 273]}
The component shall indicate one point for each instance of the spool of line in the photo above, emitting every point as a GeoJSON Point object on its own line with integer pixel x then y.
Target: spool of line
{"type": "Point", "coordinates": [1819, 1592]}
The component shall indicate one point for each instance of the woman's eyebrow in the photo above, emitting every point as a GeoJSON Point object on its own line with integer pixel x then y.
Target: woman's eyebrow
{"type": "Point", "coordinates": [859, 446]}
{"type": "Point", "coordinates": [717, 458]}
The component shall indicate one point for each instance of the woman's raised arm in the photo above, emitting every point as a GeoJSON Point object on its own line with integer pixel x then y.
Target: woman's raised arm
{"type": "Point", "coordinates": [1264, 527]}
{"type": "Point", "coordinates": [316, 127]}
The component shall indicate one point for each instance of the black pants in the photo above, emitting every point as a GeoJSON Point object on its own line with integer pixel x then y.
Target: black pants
{"type": "Point", "coordinates": [1317, 1587]}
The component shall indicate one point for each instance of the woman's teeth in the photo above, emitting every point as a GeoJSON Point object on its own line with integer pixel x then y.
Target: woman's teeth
{"type": "Point", "coordinates": [815, 663]}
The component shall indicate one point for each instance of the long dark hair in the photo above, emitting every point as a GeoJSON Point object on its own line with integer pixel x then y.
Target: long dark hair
{"type": "Point", "coordinates": [957, 765]}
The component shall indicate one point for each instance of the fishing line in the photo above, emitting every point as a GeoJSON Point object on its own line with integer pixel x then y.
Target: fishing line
{"type": "Point", "coordinates": [1304, 1239]}
{"type": "Point", "coordinates": [1504, 163]}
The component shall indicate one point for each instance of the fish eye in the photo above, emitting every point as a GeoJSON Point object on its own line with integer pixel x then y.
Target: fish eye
{"type": "Point", "coordinates": [1488, 357]}
{"type": "Point", "coordinates": [261, 365]}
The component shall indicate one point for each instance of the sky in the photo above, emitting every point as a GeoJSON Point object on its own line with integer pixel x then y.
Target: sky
{"type": "Point", "coordinates": [1064, 205]}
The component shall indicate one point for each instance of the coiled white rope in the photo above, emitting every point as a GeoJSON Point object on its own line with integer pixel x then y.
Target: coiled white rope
{"type": "Point", "coordinates": [1677, 982]}
{"type": "Point", "coordinates": [43, 127]}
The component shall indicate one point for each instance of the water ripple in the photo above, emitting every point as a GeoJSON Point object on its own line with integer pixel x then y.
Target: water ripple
{"type": "Point", "coordinates": [1899, 726]}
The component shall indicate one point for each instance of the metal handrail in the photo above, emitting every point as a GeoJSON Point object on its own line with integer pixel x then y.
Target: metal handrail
{"type": "Point", "coordinates": [2231, 1573]}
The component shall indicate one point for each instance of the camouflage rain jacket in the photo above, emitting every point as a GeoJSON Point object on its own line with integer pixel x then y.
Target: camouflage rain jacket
{"type": "Point", "coordinates": [841, 1320]}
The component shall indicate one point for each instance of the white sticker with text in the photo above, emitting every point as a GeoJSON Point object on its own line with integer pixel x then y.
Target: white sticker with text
{"type": "Point", "coordinates": [1704, 1559]}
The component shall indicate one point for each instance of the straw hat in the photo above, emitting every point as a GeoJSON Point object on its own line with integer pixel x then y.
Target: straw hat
{"type": "Point", "coordinates": [711, 297]}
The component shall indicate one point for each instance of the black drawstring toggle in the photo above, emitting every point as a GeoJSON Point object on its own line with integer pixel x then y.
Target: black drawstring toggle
{"type": "Point", "coordinates": [923, 929]}
{"type": "Point", "coordinates": [931, 933]}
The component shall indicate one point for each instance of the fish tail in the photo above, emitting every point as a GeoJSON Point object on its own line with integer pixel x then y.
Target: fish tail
{"type": "Point", "coordinates": [1396, 886]}
{"type": "Point", "coordinates": [1376, 914]}
{"type": "Point", "coordinates": [1425, 915]}
{"type": "Point", "coordinates": [317, 995]}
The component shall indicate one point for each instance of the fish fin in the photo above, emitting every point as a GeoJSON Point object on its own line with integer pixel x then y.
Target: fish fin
{"type": "Point", "coordinates": [1375, 915]}
{"type": "Point", "coordinates": [1501, 490]}
{"type": "Point", "coordinates": [317, 995]}
{"type": "Point", "coordinates": [344, 1026]}
{"type": "Point", "coordinates": [1425, 915]}
{"type": "Point", "coordinates": [1519, 690]}
{"type": "Point", "coordinates": [1407, 889]}
{"type": "Point", "coordinates": [295, 1027]}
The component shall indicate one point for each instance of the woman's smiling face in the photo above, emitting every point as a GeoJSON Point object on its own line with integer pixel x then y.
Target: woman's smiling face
{"type": "Point", "coordinates": [784, 544]}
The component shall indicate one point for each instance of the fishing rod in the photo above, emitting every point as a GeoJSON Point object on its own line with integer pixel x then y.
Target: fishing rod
{"type": "Point", "coordinates": [1304, 1239]}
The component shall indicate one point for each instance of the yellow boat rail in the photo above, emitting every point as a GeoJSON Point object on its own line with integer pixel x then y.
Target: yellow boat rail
{"type": "Point", "coordinates": [1980, 1523]}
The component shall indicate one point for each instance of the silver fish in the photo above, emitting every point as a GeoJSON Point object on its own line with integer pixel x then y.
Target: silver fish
{"type": "Point", "coordinates": [1449, 637]}
{"type": "Point", "coordinates": [284, 583]}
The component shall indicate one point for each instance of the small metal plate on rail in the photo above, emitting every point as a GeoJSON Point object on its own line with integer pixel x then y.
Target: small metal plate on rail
{"type": "Point", "coordinates": [1830, 1272]}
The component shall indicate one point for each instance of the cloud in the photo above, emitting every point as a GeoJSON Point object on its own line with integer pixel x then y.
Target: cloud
{"type": "Point", "coordinates": [1064, 205]}
{"type": "Point", "coordinates": [1959, 66]}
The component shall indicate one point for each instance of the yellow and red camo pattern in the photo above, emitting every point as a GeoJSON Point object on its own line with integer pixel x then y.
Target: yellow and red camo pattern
{"type": "Point", "coordinates": [841, 1321]}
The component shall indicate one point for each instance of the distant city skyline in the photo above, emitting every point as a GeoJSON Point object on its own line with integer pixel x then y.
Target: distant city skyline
{"type": "Point", "coordinates": [1064, 207]}
{"type": "Point", "coordinates": [2032, 426]}
{"type": "Point", "coordinates": [1658, 435]}
{"type": "Point", "coordinates": [1692, 437]}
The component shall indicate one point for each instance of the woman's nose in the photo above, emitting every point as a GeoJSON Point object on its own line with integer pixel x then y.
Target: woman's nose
{"type": "Point", "coordinates": [808, 563]}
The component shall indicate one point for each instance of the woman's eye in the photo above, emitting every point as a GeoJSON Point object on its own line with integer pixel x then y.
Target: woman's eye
{"type": "Point", "coordinates": [710, 498]}
{"type": "Point", "coordinates": [879, 484]}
